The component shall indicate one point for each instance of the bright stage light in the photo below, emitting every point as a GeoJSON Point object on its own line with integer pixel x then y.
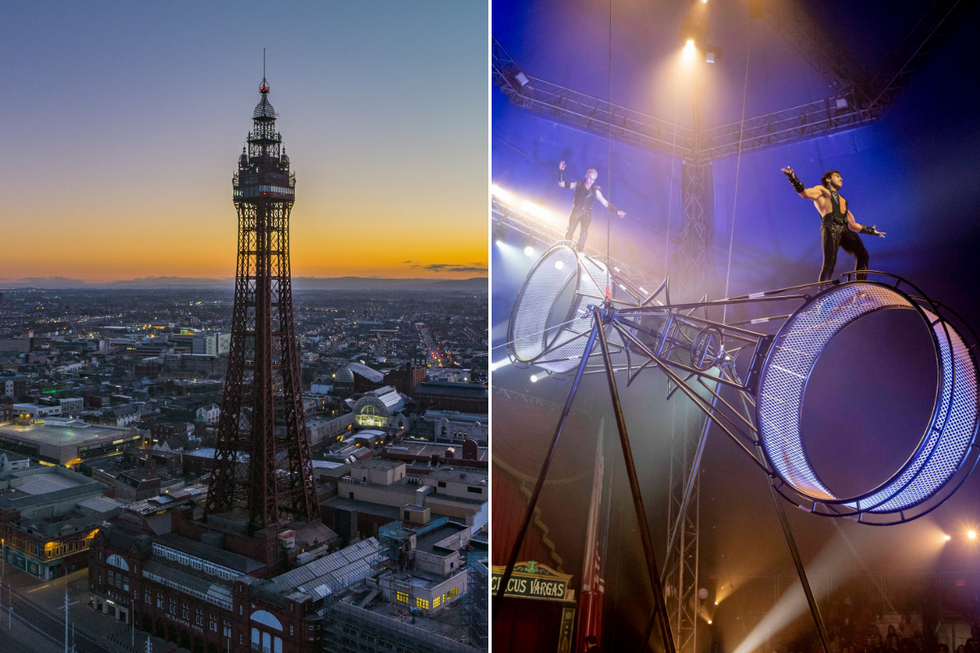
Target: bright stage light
{"type": "Point", "coordinates": [534, 378]}
{"type": "Point", "coordinates": [529, 251]}
{"type": "Point", "coordinates": [559, 265]}
{"type": "Point", "coordinates": [709, 620]}
{"type": "Point", "coordinates": [499, 243]}
{"type": "Point", "coordinates": [947, 537]}
{"type": "Point", "coordinates": [689, 50]}
{"type": "Point", "coordinates": [716, 602]}
{"type": "Point", "coordinates": [502, 195]}
{"type": "Point", "coordinates": [971, 534]}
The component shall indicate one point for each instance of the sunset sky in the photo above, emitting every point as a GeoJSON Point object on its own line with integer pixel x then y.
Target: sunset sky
{"type": "Point", "coordinates": [123, 123]}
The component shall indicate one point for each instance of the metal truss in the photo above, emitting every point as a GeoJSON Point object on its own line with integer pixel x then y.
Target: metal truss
{"type": "Point", "coordinates": [810, 120]}
{"type": "Point", "coordinates": [586, 112]}
{"type": "Point", "coordinates": [683, 544]}
{"type": "Point", "coordinates": [691, 256]}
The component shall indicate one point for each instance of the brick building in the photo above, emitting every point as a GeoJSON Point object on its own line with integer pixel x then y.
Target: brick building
{"type": "Point", "coordinates": [204, 598]}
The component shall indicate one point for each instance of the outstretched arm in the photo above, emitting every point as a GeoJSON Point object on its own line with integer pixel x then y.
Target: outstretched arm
{"type": "Point", "coordinates": [561, 177]}
{"type": "Point", "coordinates": [608, 205]}
{"type": "Point", "coordinates": [854, 225]}
{"type": "Point", "coordinates": [806, 193]}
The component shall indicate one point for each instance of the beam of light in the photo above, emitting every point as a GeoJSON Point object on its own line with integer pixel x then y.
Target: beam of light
{"type": "Point", "coordinates": [689, 50]}
{"type": "Point", "coordinates": [925, 544]}
{"type": "Point", "coordinates": [504, 196]}
{"type": "Point", "coordinates": [534, 378]}
{"type": "Point", "coordinates": [502, 363]}
{"type": "Point", "coordinates": [793, 603]}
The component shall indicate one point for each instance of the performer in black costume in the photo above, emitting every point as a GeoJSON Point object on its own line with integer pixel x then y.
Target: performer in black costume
{"type": "Point", "coordinates": [586, 192]}
{"type": "Point", "coordinates": [838, 228]}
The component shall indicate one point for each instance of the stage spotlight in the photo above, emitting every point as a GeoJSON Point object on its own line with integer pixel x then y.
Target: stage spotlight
{"type": "Point", "coordinates": [528, 245]}
{"type": "Point", "coordinates": [499, 234]}
{"type": "Point", "coordinates": [559, 265]}
{"type": "Point", "coordinates": [496, 366]}
{"type": "Point", "coordinates": [534, 378]}
{"type": "Point", "coordinates": [704, 2]}
{"type": "Point", "coordinates": [689, 50]}
{"type": "Point", "coordinates": [971, 534]}
{"type": "Point", "coordinates": [716, 602]}
{"type": "Point", "coordinates": [947, 537]}
{"type": "Point", "coordinates": [709, 620]}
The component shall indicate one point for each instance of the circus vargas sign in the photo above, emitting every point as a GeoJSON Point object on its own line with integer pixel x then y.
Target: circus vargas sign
{"type": "Point", "coordinates": [531, 580]}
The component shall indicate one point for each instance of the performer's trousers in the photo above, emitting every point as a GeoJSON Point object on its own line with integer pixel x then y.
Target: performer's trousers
{"type": "Point", "coordinates": [576, 218]}
{"type": "Point", "coordinates": [834, 235]}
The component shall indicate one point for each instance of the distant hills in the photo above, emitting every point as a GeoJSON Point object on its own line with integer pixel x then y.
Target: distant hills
{"type": "Point", "coordinates": [475, 284]}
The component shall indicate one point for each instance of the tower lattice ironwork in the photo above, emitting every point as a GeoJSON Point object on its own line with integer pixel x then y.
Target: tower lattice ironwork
{"type": "Point", "coordinates": [262, 412]}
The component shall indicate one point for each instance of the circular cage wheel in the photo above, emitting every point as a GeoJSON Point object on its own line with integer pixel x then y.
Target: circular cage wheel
{"type": "Point", "coordinates": [552, 316]}
{"type": "Point", "coordinates": [947, 441]}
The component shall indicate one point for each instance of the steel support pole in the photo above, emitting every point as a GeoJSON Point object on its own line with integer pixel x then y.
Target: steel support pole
{"type": "Point", "coordinates": [533, 501]}
{"type": "Point", "coordinates": [798, 561]}
{"type": "Point", "coordinates": [660, 603]}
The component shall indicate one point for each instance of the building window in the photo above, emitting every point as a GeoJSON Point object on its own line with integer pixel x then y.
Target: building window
{"type": "Point", "coordinates": [436, 601]}
{"type": "Point", "coordinates": [199, 616]}
{"type": "Point", "coordinates": [173, 605]}
{"type": "Point", "coordinates": [225, 629]}
{"type": "Point", "coordinates": [159, 600]}
{"type": "Point", "coordinates": [291, 630]}
{"type": "Point", "coordinates": [402, 597]}
{"type": "Point", "coordinates": [100, 579]}
{"type": "Point", "coordinates": [422, 603]}
{"type": "Point", "coordinates": [126, 583]}
{"type": "Point", "coordinates": [475, 490]}
{"type": "Point", "coordinates": [185, 611]}
{"type": "Point", "coordinates": [111, 578]}
{"type": "Point", "coordinates": [452, 593]}
{"type": "Point", "coordinates": [213, 623]}
{"type": "Point", "coordinates": [146, 596]}
{"type": "Point", "coordinates": [442, 484]}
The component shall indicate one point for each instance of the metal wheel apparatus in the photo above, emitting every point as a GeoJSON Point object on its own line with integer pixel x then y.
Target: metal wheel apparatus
{"type": "Point", "coordinates": [562, 313]}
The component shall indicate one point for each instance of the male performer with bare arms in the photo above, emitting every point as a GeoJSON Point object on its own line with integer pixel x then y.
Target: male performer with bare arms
{"type": "Point", "coordinates": [586, 192]}
{"type": "Point", "coordinates": [838, 228]}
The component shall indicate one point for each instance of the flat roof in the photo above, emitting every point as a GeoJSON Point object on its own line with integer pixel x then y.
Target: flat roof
{"type": "Point", "coordinates": [73, 432]}
{"type": "Point", "coordinates": [44, 483]}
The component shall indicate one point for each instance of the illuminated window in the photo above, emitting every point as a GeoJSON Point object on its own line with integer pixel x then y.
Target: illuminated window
{"type": "Point", "coordinates": [452, 593]}
{"type": "Point", "coordinates": [159, 600]}
{"type": "Point", "coordinates": [402, 597]}
{"type": "Point", "coordinates": [422, 603]}
{"type": "Point", "coordinates": [173, 605]}
{"type": "Point", "coordinates": [436, 602]}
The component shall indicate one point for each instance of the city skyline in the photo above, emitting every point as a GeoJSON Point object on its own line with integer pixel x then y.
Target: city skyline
{"type": "Point", "coordinates": [127, 121]}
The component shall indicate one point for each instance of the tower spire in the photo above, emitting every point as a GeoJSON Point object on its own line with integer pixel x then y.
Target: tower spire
{"type": "Point", "coordinates": [264, 88]}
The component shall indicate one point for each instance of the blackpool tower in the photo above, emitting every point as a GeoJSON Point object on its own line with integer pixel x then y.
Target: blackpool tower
{"type": "Point", "coordinates": [262, 414]}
